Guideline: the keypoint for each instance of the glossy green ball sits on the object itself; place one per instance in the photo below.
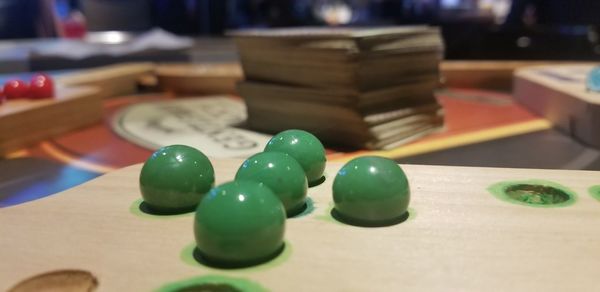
(175, 178)
(371, 191)
(305, 148)
(282, 174)
(239, 222)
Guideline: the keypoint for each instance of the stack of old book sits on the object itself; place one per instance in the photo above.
(356, 87)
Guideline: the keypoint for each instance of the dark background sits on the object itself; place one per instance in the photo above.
(472, 29)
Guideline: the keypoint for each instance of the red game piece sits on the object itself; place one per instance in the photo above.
(14, 89)
(41, 86)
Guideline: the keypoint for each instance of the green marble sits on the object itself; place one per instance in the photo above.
(371, 191)
(239, 223)
(175, 178)
(305, 148)
(282, 174)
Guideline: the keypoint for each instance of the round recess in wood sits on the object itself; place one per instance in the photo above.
(60, 280)
(533, 193)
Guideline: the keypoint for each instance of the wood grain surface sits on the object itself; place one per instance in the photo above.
(559, 94)
(497, 75)
(24, 121)
(204, 78)
(459, 237)
(112, 80)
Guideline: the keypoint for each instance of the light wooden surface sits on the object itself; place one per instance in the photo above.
(199, 78)
(496, 75)
(559, 93)
(188, 78)
(24, 121)
(459, 238)
(114, 80)
(78, 103)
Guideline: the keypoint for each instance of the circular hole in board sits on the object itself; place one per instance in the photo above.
(317, 182)
(145, 208)
(364, 223)
(536, 194)
(212, 283)
(190, 256)
(208, 287)
(307, 208)
(140, 209)
(61, 280)
(215, 263)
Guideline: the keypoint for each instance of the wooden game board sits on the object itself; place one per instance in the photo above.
(559, 93)
(77, 103)
(24, 121)
(459, 237)
(496, 75)
(188, 79)
(112, 80)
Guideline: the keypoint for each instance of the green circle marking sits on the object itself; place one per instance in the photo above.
(309, 207)
(187, 256)
(534, 193)
(595, 192)
(327, 217)
(136, 209)
(215, 283)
